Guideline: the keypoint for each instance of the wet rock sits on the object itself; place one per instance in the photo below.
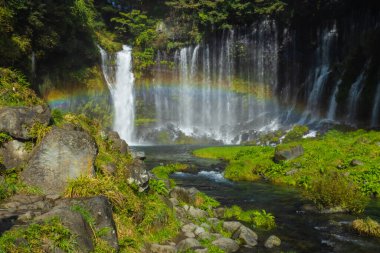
(272, 241)
(17, 121)
(62, 155)
(231, 226)
(189, 243)
(199, 230)
(184, 194)
(138, 175)
(116, 143)
(13, 153)
(226, 244)
(288, 153)
(246, 236)
(140, 155)
(156, 248)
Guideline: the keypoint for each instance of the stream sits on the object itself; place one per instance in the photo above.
(299, 231)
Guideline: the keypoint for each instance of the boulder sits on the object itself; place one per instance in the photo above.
(246, 236)
(186, 244)
(117, 144)
(138, 175)
(272, 241)
(13, 154)
(197, 213)
(157, 248)
(101, 211)
(231, 226)
(17, 121)
(188, 228)
(226, 244)
(62, 155)
(140, 155)
(287, 153)
(75, 222)
(187, 195)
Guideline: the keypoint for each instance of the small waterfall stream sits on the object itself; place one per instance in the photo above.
(120, 83)
(376, 108)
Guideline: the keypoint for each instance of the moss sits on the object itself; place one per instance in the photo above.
(367, 226)
(296, 133)
(37, 237)
(163, 172)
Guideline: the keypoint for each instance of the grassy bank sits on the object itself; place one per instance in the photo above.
(351, 158)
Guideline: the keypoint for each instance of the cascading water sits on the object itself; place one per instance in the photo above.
(376, 108)
(333, 104)
(319, 76)
(224, 88)
(353, 97)
(120, 83)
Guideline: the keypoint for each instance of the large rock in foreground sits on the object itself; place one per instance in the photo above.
(17, 121)
(63, 154)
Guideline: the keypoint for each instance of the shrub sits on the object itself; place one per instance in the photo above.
(158, 186)
(335, 190)
(260, 219)
(163, 172)
(367, 226)
(38, 131)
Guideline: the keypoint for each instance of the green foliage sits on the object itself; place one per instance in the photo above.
(333, 151)
(14, 89)
(163, 172)
(4, 137)
(260, 219)
(38, 131)
(158, 186)
(57, 116)
(367, 226)
(296, 133)
(34, 237)
(335, 190)
(205, 202)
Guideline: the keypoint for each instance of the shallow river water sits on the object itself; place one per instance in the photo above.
(299, 231)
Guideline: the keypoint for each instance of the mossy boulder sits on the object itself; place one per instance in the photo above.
(63, 154)
(17, 121)
(14, 153)
(287, 152)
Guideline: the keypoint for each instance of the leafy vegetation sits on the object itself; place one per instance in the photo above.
(333, 152)
(50, 234)
(259, 219)
(163, 172)
(14, 89)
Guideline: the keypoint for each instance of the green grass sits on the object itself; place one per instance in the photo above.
(367, 226)
(332, 152)
(256, 218)
(163, 172)
(35, 236)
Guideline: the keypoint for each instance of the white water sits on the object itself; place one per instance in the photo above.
(321, 73)
(120, 84)
(376, 108)
(333, 104)
(353, 97)
(201, 103)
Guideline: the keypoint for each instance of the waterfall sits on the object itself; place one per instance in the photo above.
(320, 73)
(353, 97)
(219, 89)
(333, 104)
(120, 84)
(376, 108)
(33, 64)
